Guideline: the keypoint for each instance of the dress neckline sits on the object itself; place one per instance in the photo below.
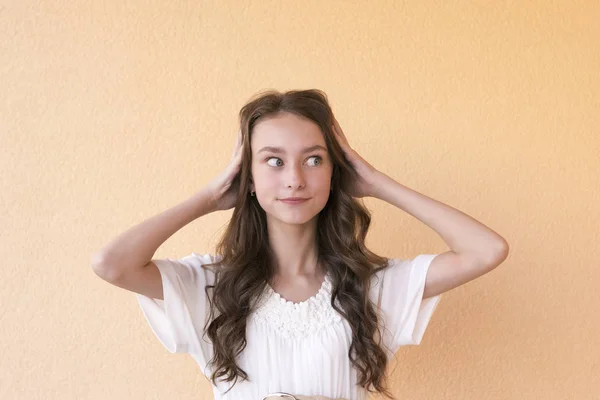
(324, 286)
(297, 321)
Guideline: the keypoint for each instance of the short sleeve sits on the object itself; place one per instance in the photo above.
(399, 289)
(178, 320)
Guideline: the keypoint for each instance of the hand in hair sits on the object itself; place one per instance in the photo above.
(224, 188)
(366, 172)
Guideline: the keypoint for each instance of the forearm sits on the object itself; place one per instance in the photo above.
(136, 246)
(462, 233)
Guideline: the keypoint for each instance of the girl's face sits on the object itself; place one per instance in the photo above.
(290, 159)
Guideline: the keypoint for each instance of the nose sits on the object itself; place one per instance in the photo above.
(295, 177)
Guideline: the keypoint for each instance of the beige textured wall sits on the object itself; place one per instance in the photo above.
(112, 112)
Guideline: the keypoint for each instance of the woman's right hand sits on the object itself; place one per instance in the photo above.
(222, 188)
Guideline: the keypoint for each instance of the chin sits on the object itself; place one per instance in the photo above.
(294, 218)
(298, 221)
(297, 217)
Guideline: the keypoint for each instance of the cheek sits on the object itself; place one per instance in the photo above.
(265, 181)
(324, 178)
(268, 186)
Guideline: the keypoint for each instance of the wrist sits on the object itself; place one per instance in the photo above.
(204, 202)
(378, 183)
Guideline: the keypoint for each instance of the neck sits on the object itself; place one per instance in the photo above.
(294, 249)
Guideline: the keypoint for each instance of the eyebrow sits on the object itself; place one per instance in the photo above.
(280, 150)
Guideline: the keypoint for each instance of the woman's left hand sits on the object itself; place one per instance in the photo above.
(366, 172)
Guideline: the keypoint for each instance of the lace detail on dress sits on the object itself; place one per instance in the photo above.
(297, 320)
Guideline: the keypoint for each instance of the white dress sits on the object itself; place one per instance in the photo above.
(299, 348)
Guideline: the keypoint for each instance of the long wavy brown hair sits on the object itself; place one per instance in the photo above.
(244, 269)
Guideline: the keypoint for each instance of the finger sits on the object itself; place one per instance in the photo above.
(338, 128)
(238, 143)
(341, 139)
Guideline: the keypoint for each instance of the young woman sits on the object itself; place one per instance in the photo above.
(292, 301)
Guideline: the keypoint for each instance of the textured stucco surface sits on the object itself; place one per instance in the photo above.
(111, 112)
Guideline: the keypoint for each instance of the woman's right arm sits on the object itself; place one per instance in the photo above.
(127, 260)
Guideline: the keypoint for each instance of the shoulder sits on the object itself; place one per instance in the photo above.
(403, 266)
(194, 268)
(202, 260)
(400, 271)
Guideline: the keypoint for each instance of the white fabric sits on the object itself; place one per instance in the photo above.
(298, 348)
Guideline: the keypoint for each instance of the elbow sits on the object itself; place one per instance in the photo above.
(103, 270)
(504, 249)
(499, 254)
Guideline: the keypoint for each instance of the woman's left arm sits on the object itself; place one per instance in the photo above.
(475, 248)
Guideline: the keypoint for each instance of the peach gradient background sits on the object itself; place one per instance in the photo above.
(112, 112)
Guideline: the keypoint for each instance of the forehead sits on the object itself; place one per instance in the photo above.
(288, 131)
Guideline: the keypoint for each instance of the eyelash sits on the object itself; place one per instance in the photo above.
(319, 157)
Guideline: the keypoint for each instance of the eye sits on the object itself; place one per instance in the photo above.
(320, 160)
(273, 158)
(278, 161)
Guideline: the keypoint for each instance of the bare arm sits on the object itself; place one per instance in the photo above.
(475, 248)
(127, 260)
(135, 248)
